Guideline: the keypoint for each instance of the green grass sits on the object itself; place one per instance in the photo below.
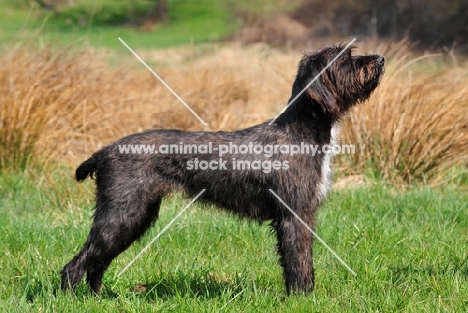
(408, 249)
(189, 21)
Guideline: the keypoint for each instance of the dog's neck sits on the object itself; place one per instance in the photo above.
(306, 116)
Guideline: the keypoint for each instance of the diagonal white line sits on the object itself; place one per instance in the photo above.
(313, 233)
(160, 233)
(313, 80)
(162, 81)
(232, 299)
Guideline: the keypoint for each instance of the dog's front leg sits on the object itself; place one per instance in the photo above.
(295, 249)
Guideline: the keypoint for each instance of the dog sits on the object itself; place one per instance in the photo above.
(131, 186)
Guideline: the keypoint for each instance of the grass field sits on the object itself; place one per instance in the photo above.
(408, 250)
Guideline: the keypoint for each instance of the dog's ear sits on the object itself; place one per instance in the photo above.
(321, 93)
(322, 90)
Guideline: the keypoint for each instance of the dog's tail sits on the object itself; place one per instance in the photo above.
(87, 168)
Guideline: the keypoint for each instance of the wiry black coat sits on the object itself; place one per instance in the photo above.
(130, 187)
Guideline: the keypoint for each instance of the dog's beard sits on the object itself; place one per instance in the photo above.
(370, 81)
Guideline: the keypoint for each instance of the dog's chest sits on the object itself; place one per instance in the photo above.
(325, 182)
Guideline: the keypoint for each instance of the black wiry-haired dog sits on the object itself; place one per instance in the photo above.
(131, 186)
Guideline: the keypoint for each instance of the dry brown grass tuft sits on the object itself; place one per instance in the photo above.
(33, 94)
(65, 104)
(48, 101)
(415, 126)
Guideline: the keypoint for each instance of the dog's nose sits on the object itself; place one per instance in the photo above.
(380, 59)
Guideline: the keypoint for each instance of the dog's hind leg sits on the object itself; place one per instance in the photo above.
(115, 227)
(295, 249)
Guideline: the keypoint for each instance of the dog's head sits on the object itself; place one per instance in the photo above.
(340, 80)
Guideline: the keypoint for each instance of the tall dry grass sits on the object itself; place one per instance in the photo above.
(64, 104)
(47, 102)
(415, 126)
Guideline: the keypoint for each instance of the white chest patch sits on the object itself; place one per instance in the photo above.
(326, 177)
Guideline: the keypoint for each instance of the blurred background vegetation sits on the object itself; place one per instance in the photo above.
(430, 23)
